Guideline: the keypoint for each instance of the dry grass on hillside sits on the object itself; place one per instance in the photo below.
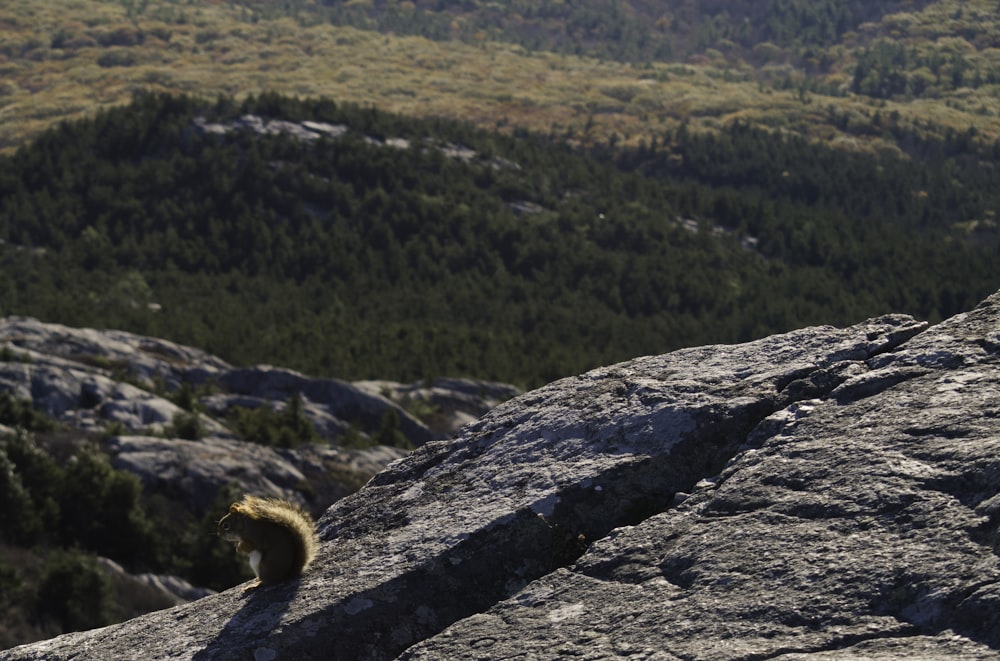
(62, 59)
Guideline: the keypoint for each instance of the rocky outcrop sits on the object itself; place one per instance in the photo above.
(93, 381)
(826, 493)
(122, 387)
(89, 379)
(336, 400)
(192, 472)
(174, 589)
(451, 403)
(308, 131)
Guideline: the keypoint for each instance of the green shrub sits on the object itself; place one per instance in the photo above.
(355, 439)
(30, 479)
(16, 412)
(75, 593)
(186, 397)
(117, 57)
(390, 434)
(6, 355)
(15, 625)
(19, 523)
(263, 425)
(101, 509)
(187, 426)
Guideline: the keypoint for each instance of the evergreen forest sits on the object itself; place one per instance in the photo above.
(616, 29)
(408, 249)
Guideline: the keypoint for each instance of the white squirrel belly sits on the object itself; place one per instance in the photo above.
(255, 557)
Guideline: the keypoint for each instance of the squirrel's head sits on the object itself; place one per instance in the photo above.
(230, 525)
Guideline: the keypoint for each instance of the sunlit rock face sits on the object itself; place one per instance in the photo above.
(824, 493)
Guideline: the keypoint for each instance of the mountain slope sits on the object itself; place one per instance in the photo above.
(935, 68)
(630, 30)
(342, 241)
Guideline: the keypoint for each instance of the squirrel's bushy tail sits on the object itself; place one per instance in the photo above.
(287, 515)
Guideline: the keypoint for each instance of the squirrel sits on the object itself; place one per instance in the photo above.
(279, 537)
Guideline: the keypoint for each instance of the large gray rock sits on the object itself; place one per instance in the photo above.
(87, 398)
(452, 403)
(118, 386)
(193, 472)
(826, 493)
(92, 380)
(172, 589)
(107, 351)
(862, 521)
(335, 398)
(86, 378)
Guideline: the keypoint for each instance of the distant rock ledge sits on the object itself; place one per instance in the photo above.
(824, 493)
(121, 386)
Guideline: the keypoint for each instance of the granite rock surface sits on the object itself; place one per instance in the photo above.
(824, 493)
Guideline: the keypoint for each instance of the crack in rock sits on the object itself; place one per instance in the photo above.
(862, 520)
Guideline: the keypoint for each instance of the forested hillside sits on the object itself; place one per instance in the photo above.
(405, 249)
(880, 48)
(591, 71)
(636, 30)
